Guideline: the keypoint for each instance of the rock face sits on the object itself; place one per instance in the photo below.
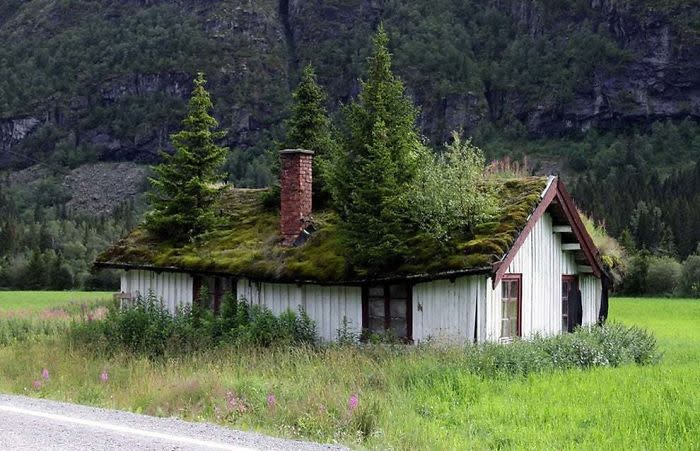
(97, 189)
(125, 105)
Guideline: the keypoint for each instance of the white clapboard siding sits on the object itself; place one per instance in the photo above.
(445, 310)
(173, 289)
(591, 290)
(541, 262)
(326, 305)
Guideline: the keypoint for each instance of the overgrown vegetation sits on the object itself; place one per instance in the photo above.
(450, 195)
(147, 327)
(535, 393)
(395, 208)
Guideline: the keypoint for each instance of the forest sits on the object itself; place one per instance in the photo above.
(108, 81)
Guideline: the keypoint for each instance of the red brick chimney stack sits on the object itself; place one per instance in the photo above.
(295, 183)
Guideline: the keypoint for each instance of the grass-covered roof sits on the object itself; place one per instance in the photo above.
(246, 243)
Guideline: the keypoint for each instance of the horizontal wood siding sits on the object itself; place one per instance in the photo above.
(445, 310)
(174, 289)
(326, 305)
(591, 289)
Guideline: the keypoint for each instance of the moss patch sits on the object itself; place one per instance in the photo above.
(246, 242)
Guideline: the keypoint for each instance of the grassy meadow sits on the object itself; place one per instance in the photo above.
(415, 398)
(12, 301)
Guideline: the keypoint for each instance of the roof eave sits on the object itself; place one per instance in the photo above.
(416, 278)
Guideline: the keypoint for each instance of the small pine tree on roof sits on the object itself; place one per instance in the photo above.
(378, 161)
(184, 186)
(310, 128)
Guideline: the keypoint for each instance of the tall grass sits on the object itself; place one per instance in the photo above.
(407, 397)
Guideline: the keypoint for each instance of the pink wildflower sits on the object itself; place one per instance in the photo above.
(45, 374)
(353, 402)
(235, 404)
(36, 385)
(104, 376)
(271, 401)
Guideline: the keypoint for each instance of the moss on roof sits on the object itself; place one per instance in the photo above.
(246, 243)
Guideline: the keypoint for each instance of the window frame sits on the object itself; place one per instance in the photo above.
(573, 279)
(387, 308)
(515, 277)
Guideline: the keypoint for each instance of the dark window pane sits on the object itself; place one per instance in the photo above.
(398, 309)
(398, 327)
(376, 325)
(398, 292)
(376, 308)
(377, 292)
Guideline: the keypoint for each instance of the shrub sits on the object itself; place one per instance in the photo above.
(690, 278)
(448, 194)
(608, 345)
(146, 327)
(663, 275)
(635, 281)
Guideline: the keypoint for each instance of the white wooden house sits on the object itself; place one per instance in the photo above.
(533, 271)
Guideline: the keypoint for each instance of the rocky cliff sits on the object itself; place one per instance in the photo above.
(94, 80)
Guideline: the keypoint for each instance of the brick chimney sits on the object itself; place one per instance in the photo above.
(295, 183)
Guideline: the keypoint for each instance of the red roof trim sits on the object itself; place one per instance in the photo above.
(579, 229)
(502, 266)
(556, 190)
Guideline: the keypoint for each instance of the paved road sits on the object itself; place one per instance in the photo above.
(32, 424)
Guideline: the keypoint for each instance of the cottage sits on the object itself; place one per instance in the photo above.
(534, 270)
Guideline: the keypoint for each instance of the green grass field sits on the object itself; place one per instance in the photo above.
(416, 400)
(38, 300)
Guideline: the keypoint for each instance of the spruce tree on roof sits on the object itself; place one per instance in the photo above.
(376, 164)
(309, 127)
(183, 188)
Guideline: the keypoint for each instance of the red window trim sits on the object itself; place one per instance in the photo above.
(574, 285)
(518, 278)
(387, 307)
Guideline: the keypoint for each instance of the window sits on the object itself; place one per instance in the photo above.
(510, 306)
(568, 285)
(216, 288)
(387, 308)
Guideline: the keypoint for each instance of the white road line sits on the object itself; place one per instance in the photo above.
(124, 429)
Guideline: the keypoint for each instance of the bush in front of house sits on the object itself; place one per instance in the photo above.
(611, 345)
(146, 327)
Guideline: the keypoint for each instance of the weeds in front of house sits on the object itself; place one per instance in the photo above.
(146, 327)
(383, 395)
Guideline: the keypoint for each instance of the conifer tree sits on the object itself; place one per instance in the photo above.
(183, 188)
(378, 160)
(309, 127)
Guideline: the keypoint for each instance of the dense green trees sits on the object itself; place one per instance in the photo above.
(184, 186)
(377, 162)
